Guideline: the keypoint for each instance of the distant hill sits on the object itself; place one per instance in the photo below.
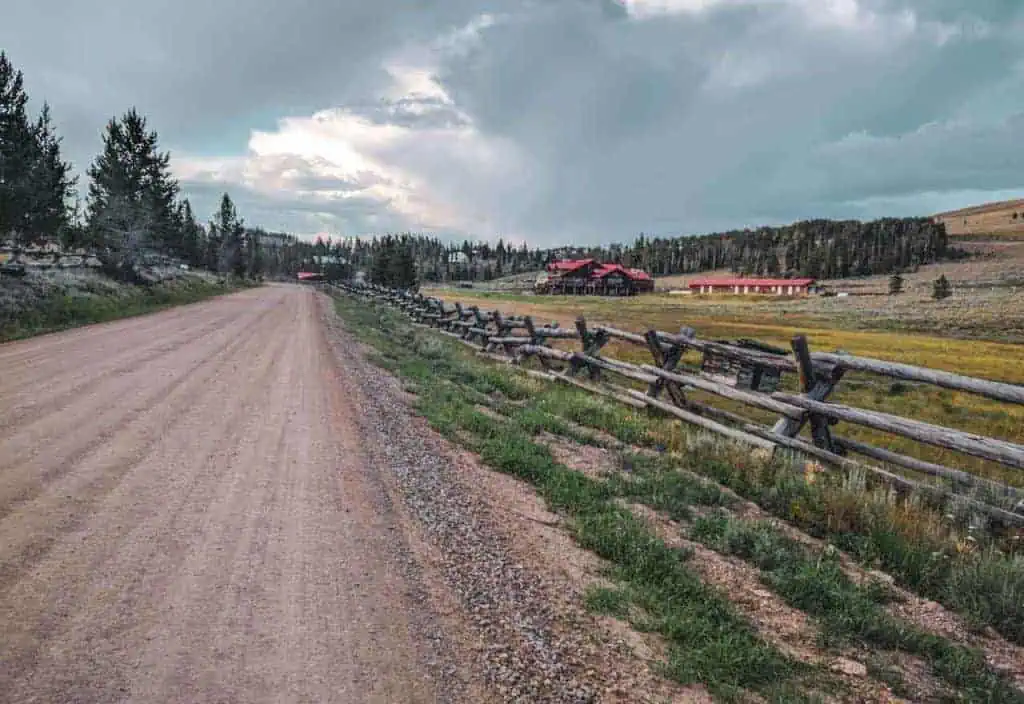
(1002, 217)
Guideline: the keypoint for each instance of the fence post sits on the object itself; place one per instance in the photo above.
(667, 361)
(481, 324)
(537, 341)
(576, 364)
(500, 330)
(817, 388)
(590, 344)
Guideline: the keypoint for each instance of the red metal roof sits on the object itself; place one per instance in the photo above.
(568, 264)
(600, 271)
(695, 283)
(605, 269)
(634, 274)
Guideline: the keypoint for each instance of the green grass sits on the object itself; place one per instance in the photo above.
(920, 543)
(649, 481)
(708, 641)
(62, 312)
(928, 548)
(913, 540)
(848, 613)
(922, 546)
(761, 319)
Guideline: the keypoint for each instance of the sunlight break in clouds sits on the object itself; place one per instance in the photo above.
(341, 154)
(337, 154)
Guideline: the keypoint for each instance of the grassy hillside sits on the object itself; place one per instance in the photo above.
(43, 302)
(998, 218)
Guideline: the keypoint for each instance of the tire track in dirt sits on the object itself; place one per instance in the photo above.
(133, 378)
(19, 487)
(46, 355)
(223, 543)
(29, 511)
(133, 539)
(33, 400)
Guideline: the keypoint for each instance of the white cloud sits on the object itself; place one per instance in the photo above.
(565, 122)
(846, 15)
(337, 154)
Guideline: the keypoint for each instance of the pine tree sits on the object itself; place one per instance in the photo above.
(380, 271)
(131, 190)
(254, 261)
(193, 244)
(211, 255)
(232, 244)
(402, 264)
(17, 153)
(51, 183)
(941, 288)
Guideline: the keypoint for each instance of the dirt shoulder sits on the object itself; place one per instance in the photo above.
(498, 562)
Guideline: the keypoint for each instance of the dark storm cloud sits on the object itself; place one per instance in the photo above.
(572, 119)
(201, 68)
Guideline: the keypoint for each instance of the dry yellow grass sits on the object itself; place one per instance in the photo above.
(746, 317)
(989, 218)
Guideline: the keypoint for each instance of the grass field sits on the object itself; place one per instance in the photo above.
(697, 493)
(987, 302)
(735, 317)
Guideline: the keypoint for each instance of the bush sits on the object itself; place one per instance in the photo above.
(941, 288)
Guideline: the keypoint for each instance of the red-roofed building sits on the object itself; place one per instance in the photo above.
(741, 286)
(564, 266)
(587, 276)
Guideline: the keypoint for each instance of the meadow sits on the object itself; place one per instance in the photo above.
(777, 322)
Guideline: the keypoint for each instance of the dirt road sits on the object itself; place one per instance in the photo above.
(187, 514)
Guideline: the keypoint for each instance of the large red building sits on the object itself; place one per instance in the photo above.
(740, 286)
(590, 277)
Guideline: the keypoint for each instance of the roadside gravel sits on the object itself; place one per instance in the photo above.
(529, 642)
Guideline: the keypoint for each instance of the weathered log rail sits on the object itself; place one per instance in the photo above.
(748, 373)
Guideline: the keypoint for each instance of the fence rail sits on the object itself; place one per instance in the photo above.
(747, 372)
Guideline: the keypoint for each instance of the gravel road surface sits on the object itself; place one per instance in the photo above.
(187, 514)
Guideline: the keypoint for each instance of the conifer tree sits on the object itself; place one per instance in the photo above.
(254, 261)
(232, 239)
(19, 157)
(131, 190)
(193, 245)
(51, 183)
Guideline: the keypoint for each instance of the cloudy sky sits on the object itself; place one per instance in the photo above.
(549, 121)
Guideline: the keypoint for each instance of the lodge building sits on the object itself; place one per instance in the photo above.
(590, 277)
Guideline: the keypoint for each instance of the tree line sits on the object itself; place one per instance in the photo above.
(823, 249)
(133, 211)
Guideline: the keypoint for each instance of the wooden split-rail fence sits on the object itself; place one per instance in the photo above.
(750, 373)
